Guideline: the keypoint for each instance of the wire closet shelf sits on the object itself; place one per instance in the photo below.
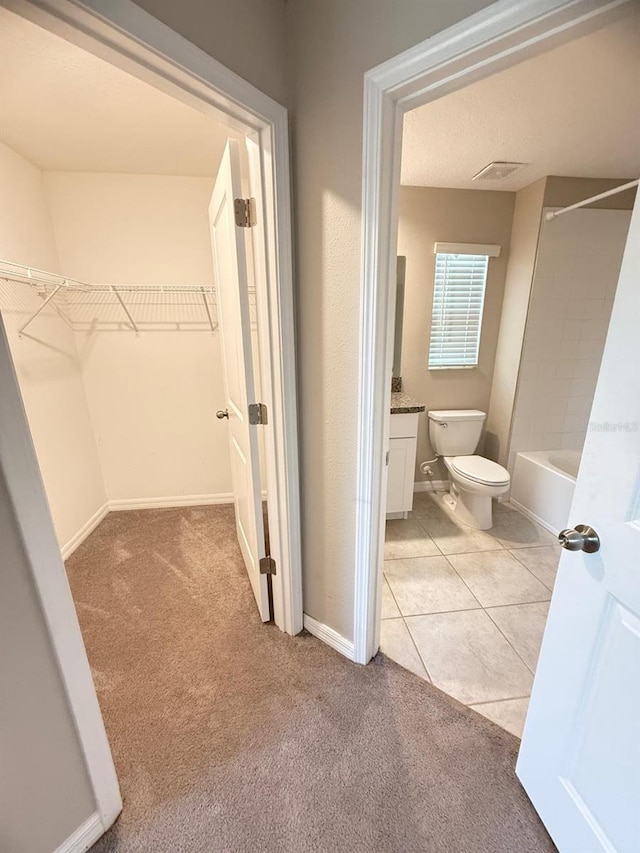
(118, 307)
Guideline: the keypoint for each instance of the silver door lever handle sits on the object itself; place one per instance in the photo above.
(580, 538)
(222, 413)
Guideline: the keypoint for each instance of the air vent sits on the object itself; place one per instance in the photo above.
(498, 170)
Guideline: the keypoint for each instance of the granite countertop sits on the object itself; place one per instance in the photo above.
(402, 404)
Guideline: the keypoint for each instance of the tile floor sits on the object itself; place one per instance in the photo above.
(466, 609)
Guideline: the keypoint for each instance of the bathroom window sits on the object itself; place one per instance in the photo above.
(458, 302)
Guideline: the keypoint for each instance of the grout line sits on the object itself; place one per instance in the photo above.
(527, 569)
(414, 557)
(385, 580)
(426, 668)
(517, 604)
(497, 701)
(550, 588)
(408, 631)
(532, 671)
(471, 609)
(464, 582)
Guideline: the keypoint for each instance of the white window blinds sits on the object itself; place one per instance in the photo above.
(458, 301)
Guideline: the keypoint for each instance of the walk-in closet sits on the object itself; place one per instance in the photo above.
(109, 298)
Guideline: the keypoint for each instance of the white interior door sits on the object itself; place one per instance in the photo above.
(580, 755)
(232, 285)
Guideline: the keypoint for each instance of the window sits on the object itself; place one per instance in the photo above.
(458, 302)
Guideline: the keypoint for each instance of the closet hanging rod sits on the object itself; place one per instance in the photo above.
(551, 214)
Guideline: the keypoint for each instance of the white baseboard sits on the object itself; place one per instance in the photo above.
(78, 538)
(140, 503)
(84, 837)
(431, 486)
(534, 517)
(329, 636)
(175, 500)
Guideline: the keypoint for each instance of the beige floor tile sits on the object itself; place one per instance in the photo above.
(389, 606)
(523, 625)
(427, 585)
(406, 537)
(396, 643)
(468, 658)
(514, 530)
(453, 537)
(428, 505)
(541, 561)
(509, 714)
(496, 577)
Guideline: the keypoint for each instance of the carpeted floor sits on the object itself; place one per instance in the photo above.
(230, 736)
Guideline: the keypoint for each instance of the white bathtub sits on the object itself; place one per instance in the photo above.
(542, 485)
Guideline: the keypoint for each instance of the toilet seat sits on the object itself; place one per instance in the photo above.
(480, 470)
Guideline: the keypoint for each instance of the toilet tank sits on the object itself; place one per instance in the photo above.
(455, 432)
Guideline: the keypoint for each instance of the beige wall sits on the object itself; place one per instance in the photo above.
(427, 215)
(46, 358)
(248, 36)
(45, 793)
(333, 43)
(515, 305)
(152, 398)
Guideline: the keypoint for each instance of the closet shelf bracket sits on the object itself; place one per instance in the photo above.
(126, 311)
(208, 310)
(40, 308)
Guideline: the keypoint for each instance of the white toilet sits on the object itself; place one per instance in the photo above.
(454, 436)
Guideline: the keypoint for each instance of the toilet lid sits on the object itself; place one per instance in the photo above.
(481, 470)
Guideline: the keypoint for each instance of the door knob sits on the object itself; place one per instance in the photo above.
(580, 538)
(222, 413)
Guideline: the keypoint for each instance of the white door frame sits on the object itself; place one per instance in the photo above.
(496, 38)
(128, 37)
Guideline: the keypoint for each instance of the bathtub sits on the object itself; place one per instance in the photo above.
(542, 485)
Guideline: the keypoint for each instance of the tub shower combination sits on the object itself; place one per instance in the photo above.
(543, 484)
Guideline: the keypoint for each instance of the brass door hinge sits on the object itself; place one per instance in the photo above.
(257, 413)
(267, 566)
(245, 211)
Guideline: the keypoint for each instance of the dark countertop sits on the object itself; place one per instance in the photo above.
(402, 404)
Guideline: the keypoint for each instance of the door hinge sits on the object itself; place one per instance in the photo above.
(267, 566)
(257, 413)
(245, 211)
(386, 458)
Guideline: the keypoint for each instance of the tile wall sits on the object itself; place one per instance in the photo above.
(576, 274)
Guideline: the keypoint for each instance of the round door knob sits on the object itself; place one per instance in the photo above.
(580, 538)
(222, 413)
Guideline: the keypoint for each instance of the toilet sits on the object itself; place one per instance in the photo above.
(454, 436)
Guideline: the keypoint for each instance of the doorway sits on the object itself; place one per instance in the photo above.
(494, 39)
(489, 39)
(468, 575)
(262, 123)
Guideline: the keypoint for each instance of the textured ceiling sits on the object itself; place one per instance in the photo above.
(572, 111)
(65, 109)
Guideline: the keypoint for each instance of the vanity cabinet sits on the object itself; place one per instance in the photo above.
(403, 441)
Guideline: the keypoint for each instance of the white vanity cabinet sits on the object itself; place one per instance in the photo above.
(403, 440)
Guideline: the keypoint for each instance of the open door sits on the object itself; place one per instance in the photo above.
(580, 755)
(232, 286)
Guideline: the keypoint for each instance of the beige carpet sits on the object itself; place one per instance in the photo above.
(230, 736)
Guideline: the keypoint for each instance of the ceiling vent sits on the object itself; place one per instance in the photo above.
(498, 170)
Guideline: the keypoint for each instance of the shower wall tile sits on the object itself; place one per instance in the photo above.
(576, 275)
